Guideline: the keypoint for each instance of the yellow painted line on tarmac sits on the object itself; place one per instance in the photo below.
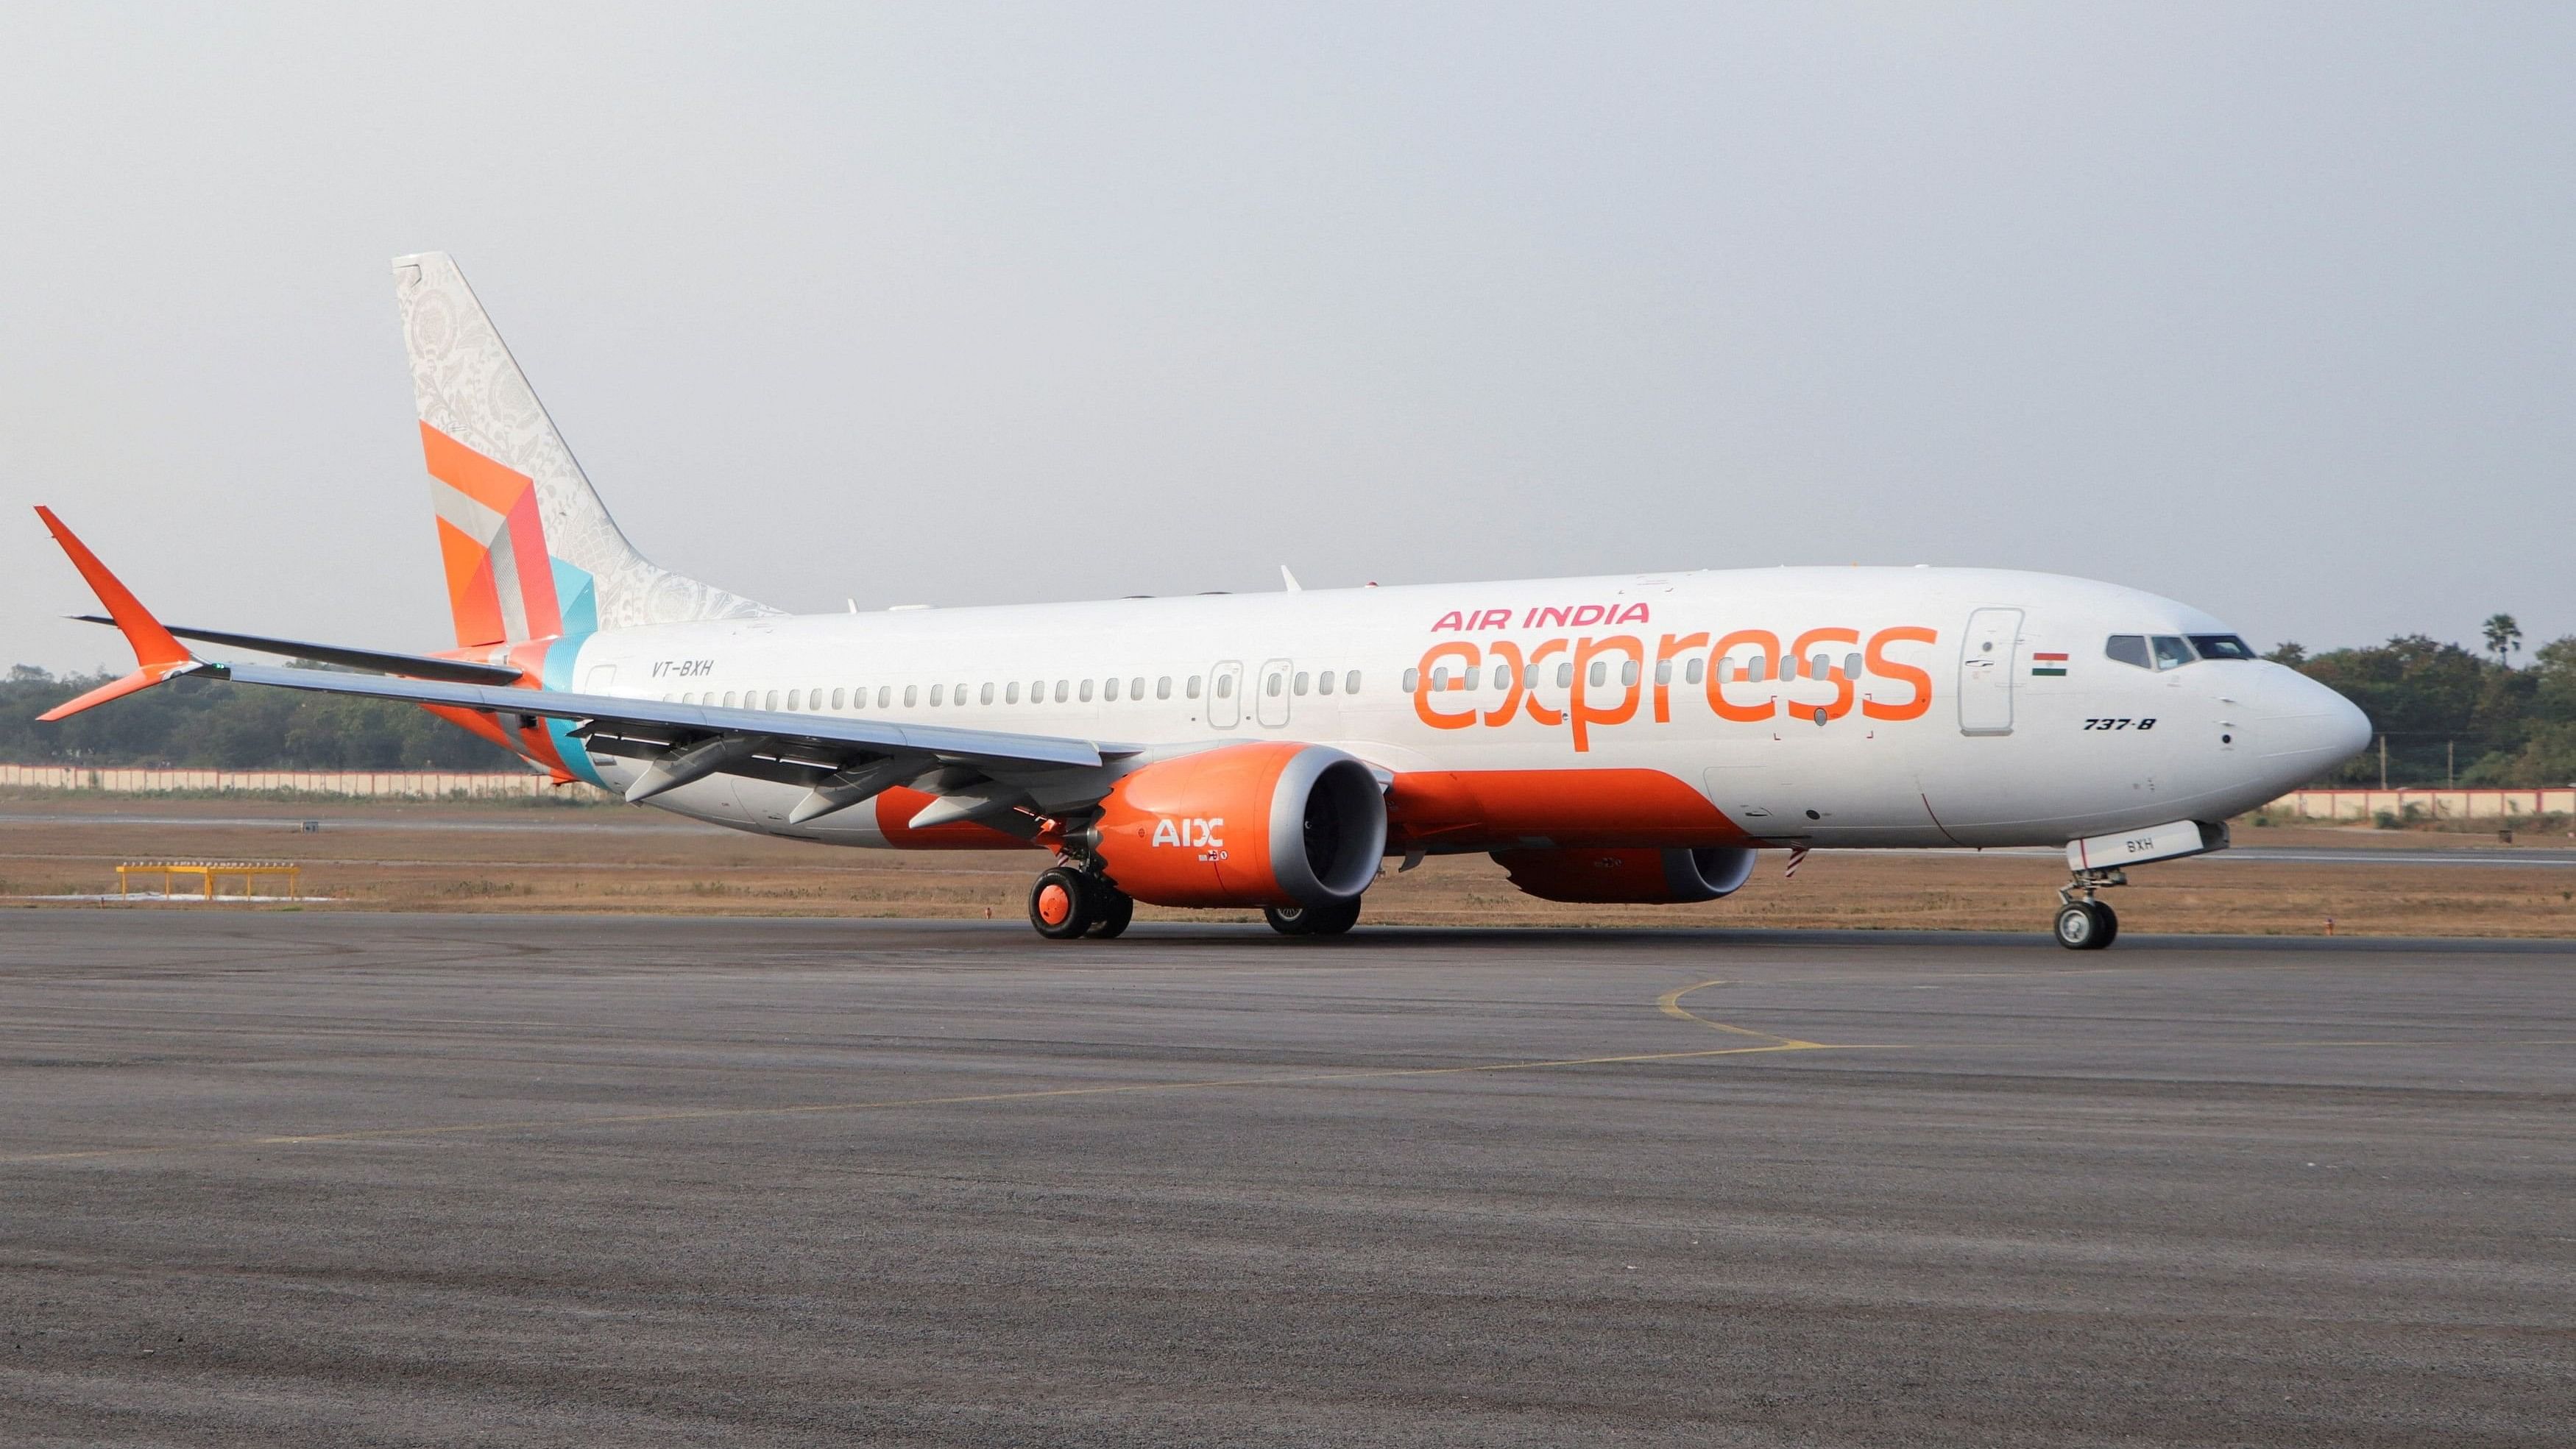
(711, 1114)
(1670, 1004)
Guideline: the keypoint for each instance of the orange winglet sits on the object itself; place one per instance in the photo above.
(155, 649)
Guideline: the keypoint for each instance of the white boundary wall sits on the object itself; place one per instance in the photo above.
(414, 784)
(2433, 804)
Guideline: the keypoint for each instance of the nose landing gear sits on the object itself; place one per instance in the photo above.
(2088, 923)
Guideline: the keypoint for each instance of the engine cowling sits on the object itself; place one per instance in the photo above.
(1255, 824)
(1632, 877)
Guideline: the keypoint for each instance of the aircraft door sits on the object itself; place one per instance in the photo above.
(1272, 705)
(1989, 652)
(1225, 694)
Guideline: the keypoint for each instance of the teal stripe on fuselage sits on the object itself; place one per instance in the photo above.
(563, 657)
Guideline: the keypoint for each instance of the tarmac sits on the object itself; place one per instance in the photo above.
(315, 1178)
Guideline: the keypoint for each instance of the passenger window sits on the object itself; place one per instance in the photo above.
(837, 697)
(792, 697)
(1502, 676)
(773, 699)
(1063, 690)
(1628, 672)
(1691, 671)
(1663, 671)
(1758, 668)
(1192, 690)
(1270, 686)
(984, 695)
(1136, 687)
(934, 696)
(1600, 672)
(1324, 682)
(1299, 684)
(1163, 687)
(2221, 646)
(2171, 652)
(1412, 680)
(1851, 666)
(1086, 691)
(911, 695)
(1225, 686)
(1110, 694)
(728, 699)
(1011, 692)
(1820, 667)
(1351, 682)
(885, 696)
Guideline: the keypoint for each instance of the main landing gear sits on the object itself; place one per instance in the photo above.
(2088, 924)
(1313, 920)
(1067, 903)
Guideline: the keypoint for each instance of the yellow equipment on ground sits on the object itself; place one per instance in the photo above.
(206, 872)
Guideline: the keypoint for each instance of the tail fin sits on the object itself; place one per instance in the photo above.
(530, 551)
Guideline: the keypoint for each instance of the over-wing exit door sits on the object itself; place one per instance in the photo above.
(1225, 698)
(1986, 655)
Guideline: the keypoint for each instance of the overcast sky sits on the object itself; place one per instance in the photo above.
(2265, 307)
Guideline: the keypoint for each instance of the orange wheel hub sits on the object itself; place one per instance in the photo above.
(1055, 904)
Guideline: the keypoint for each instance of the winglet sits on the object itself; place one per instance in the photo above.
(159, 653)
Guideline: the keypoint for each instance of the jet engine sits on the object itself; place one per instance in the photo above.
(1635, 877)
(1267, 824)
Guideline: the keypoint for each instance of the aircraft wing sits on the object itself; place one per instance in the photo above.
(417, 666)
(645, 718)
(979, 774)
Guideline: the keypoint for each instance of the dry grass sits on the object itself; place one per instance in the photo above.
(433, 858)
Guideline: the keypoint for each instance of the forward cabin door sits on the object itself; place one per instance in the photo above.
(1272, 705)
(1225, 694)
(1987, 659)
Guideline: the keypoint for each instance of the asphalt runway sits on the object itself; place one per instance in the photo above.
(347, 1179)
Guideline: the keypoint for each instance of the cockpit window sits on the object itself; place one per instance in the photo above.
(2171, 652)
(2129, 649)
(2221, 646)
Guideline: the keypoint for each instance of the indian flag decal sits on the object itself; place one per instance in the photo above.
(2048, 664)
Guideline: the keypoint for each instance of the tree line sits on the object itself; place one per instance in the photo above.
(2448, 714)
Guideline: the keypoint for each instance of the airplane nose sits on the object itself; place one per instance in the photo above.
(2309, 726)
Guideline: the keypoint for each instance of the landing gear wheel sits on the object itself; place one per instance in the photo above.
(1111, 910)
(2086, 925)
(1060, 904)
(1313, 920)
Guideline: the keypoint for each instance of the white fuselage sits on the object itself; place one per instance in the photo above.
(1943, 721)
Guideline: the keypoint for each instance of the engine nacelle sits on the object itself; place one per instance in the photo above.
(1244, 825)
(1633, 877)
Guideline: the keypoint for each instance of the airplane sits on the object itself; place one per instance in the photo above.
(1622, 738)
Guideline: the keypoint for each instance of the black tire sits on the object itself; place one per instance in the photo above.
(1288, 920)
(1060, 904)
(1313, 920)
(2080, 927)
(1111, 910)
(2110, 924)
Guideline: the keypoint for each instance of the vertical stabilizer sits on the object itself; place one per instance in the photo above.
(530, 551)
